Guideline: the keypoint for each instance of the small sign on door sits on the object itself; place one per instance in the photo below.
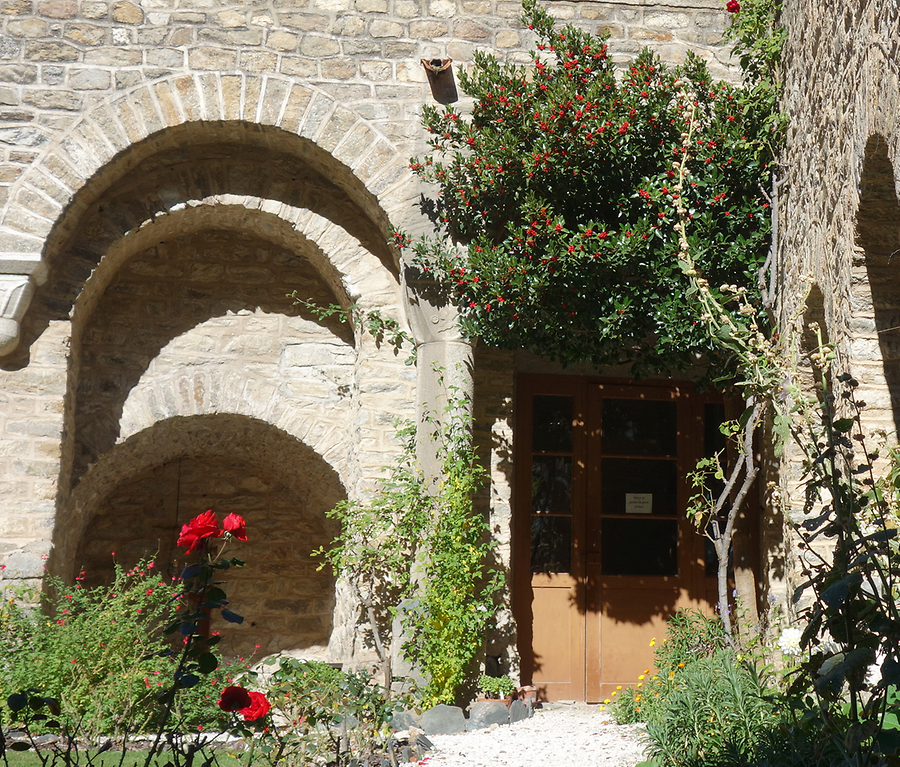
(638, 503)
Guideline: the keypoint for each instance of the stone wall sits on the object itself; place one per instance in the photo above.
(169, 170)
(839, 212)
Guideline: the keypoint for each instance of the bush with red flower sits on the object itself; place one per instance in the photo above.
(559, 191)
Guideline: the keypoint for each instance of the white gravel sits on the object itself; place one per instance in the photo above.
(558, 735)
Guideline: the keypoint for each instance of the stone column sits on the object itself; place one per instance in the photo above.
(443, 361)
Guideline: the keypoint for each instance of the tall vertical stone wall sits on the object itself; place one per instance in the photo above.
(168, 172)
(838, 205)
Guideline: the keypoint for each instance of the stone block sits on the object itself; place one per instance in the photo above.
(298, 67)
(23, 564)
(508, 38)
(23, 136)
(469, 30)
(519, 710)
(400, 49)
(332, 5)
(380, 28)
(258, 61)
(166, 57)
(26, 28)
(443, 720)
(89, 79)
(86, 34)
(209, 58)
(313, 45)
(282, 41)
(95, 10)
(57, 9)
(18, 73)
(339, 69)
(232, 36)
(484, 713)
(428, 30)
(127, 13)
(349, 26)
(16, 7)
(109, 56)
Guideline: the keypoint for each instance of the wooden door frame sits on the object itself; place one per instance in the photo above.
(579, 388)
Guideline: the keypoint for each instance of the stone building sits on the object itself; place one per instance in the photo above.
(175, 172)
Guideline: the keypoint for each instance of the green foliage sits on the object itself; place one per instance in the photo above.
(690, 636)
(846, 708)
(560, 189)
(382, 329)
(496, 686)
(717, 712)
(706, 704)
(315, 697)
(97, 650)
(421, 550)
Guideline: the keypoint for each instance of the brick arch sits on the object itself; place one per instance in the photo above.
(340, 261)
(366, 175)
(200, 392)
(297, 464)
(137, 497)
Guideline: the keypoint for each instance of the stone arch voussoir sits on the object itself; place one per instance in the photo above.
(99, 148)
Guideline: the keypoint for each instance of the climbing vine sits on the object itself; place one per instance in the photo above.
(421, 551)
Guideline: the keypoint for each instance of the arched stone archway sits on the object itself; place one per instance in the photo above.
(136, 498)
(177, 120)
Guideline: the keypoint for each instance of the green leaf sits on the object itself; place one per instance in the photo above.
(207, 663)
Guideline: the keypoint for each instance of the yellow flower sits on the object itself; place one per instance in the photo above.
(619, 687)
(615, 692)
(681, 665)
(671, 675)
(606, 701)
(653, 642)
(640, 684)
(602, 708)
(640, 677)
(646, 670)
(637, 708)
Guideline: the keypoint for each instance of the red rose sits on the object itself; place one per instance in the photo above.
(732, 6)
(234, 699)
(196, 531)
(235, 525)
(258, 708)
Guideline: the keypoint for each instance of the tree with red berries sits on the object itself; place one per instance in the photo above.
(558, 193)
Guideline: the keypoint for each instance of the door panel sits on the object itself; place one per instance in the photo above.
(607, 551)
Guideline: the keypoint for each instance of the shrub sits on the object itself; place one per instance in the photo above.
(716, 711)
(96, 650)
(496, 686)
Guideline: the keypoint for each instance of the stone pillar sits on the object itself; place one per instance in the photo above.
(443, 361)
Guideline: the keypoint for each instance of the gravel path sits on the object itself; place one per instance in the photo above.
(556, 736)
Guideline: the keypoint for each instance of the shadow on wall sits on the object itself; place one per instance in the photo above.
(878, 234)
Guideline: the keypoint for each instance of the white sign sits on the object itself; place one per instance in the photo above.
(638, 503)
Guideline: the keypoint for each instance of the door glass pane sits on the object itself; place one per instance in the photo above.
(551, 544)
(639, 427)
(551, 484)
(639, 547)
(639, 486)
(552, 431)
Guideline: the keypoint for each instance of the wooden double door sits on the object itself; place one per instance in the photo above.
(604, 552)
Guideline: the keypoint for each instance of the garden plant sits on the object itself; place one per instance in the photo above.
(152, 670)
